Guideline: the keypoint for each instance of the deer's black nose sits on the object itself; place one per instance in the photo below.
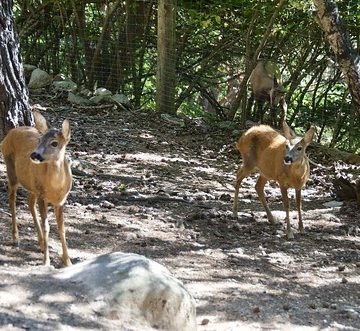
(36, 157)
(288, 159)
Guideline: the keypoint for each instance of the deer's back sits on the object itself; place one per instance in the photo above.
(263, 148)
(19, 143)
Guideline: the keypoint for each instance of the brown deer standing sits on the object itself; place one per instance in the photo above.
(266, 84)
(35, 159)
(276, 157)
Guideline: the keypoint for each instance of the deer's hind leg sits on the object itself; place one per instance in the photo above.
(285, 199)
(259, 187)
(244, 171)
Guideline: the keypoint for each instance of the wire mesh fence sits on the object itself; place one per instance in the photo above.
(216, 45)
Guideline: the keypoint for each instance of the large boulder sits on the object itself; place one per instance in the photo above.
(28, 69)
(135, 290)
(39, 78)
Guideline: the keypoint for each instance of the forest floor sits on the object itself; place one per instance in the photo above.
(146, 185)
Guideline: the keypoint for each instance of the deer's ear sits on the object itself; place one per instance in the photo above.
(66, 129)
(40, 122)
(308, 136)
(288, 132)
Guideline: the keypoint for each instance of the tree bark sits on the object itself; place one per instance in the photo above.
(328, 18)
(14, 100)
(165, 86)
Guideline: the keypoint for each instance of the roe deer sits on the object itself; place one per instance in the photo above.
(276, 157)
(35, 159)
(266, 84)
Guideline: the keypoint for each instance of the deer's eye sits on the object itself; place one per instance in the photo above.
(299, 148)
(54, 144)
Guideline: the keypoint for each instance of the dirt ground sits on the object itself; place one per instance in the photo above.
(145, 185)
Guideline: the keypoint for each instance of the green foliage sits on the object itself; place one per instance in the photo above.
(113, 44)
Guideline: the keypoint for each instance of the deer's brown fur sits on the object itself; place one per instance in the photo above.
(35, 159)
(276, 157)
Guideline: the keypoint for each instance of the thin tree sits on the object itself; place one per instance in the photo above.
(14, 101)
(329, 19)
(165, 78)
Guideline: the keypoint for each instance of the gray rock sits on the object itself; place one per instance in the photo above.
(333, 204)
(134, 289)
(85, 92)
(28, 69)
(39, 78)
(102, 91)
(97, 99)
(79, 100)
(64, 85)
(120, 99)
(173, 120)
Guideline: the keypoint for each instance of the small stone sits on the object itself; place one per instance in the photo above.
(350, 313)
(256, 310)
(326, 305)
(78, 100)
(344, 280)
(286, 307)
(225, 197)
(312, 305)
(131, 236)
(120, 99)
(102, 91)
(205, 321)
(341, 268)
(107, 204)
(64, 85)
(333, 204)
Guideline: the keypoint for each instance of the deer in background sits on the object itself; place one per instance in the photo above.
(266, 84)
(35, 159)
(277, 157)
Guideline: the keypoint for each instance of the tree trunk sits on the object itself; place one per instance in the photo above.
(330, 22)
(14, 101)
(165, 89)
